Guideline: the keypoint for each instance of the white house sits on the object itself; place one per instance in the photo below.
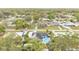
(76, 23)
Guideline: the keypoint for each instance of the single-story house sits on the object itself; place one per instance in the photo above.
(68, 24)
(76, 23)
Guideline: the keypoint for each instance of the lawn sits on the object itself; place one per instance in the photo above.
(75, 27)
(52, 28)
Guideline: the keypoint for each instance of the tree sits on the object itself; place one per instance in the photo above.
(9, 43)
(64, 43)
(28, 18)
(77, 16)
(1, 15)
(26, 37)
(34, 45)
(51, 15)
(35, 16)
(2, 28)
(21, 24)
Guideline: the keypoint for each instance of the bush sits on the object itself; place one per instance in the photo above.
(64, 43)
(10, 43)
(21, 24)
(2, 28)
(34, 45)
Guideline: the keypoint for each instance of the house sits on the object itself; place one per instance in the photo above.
(9, 22)
(68, 24)
(21, 33)
(45, 19)
(62, 33)
(51, 23)
(20, 16)
(76, 23)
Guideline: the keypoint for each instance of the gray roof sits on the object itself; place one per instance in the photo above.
(40, 34)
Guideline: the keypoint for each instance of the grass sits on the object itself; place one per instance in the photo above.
(53, 27)
(75, 28)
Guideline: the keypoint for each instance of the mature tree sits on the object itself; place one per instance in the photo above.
(21, 24)
(1, 14)
(10, 43)
(28, 18)
(2, 28)
(34, 45)
(26, 37)
(77, 16)
(51, 15)
(35, 16)
(64, 43)
(5, 43)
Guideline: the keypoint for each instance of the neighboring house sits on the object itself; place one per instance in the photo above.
(9, 22)
(68, 24)
(20, 16)
(62, 33)
(45, 19)
(53, 23)
(65, 16)
(76, 23)
(21, 33)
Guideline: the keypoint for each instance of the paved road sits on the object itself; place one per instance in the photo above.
(13, 30)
